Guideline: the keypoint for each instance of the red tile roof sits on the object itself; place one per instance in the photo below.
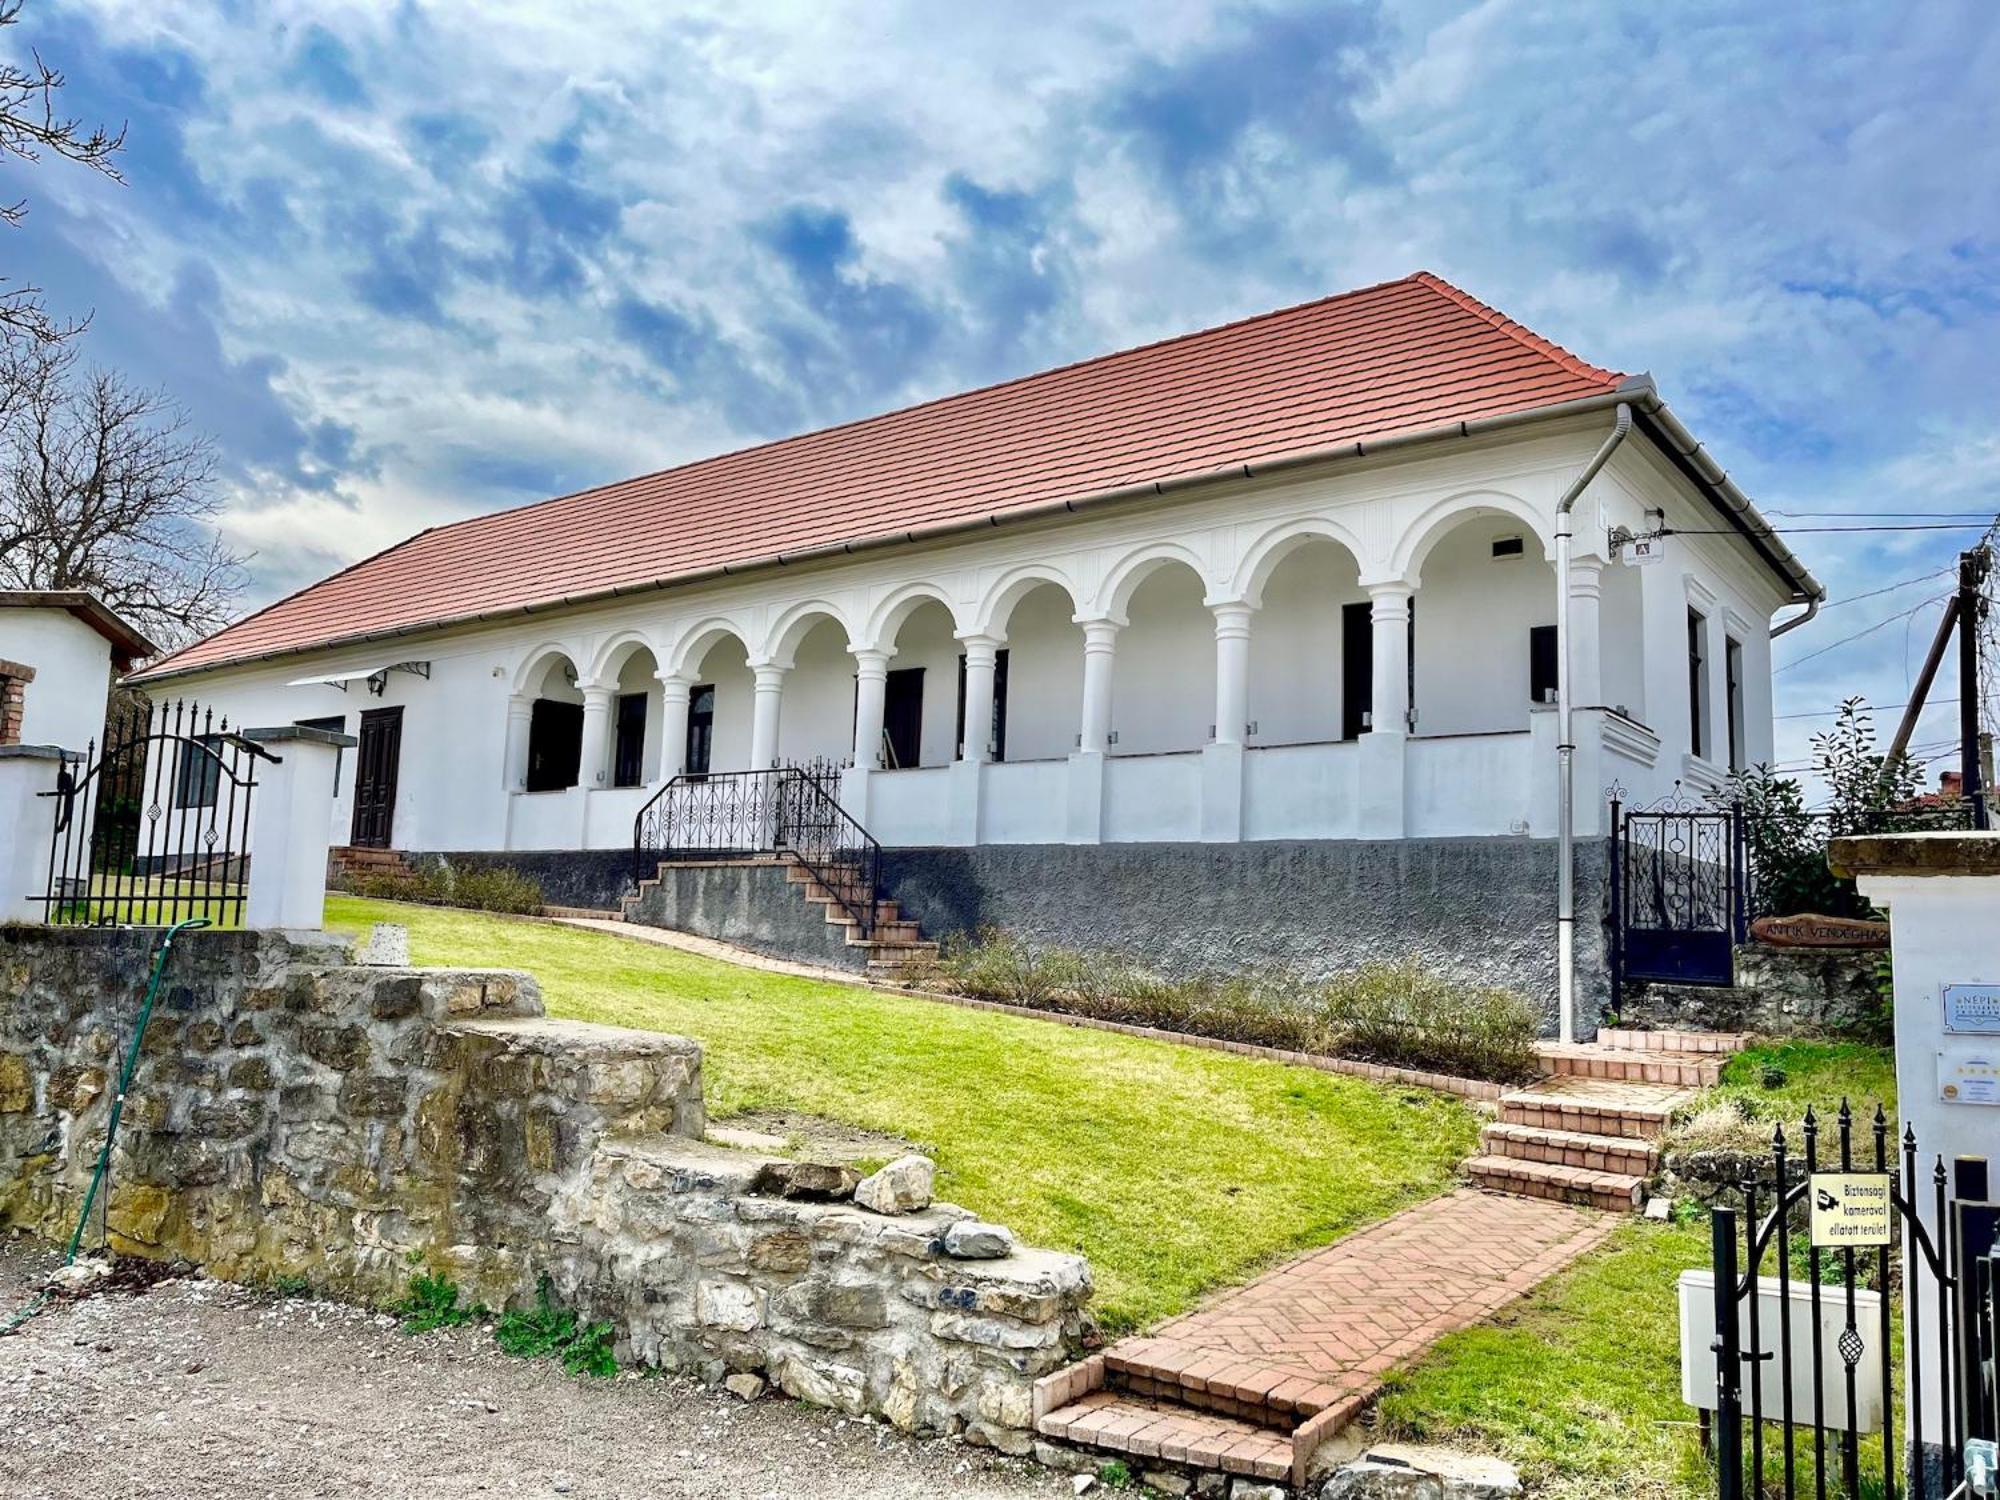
(1395, 358)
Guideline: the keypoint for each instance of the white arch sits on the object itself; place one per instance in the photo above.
(1114, 597)
(1440, 519)
(611, 657)
(781, 642)
(528, 675)
(887, 619)
(697, 641)
(1264, 554)
(1011, 587)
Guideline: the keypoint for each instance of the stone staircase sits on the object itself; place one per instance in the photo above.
(895, 949)
(1589, 1133)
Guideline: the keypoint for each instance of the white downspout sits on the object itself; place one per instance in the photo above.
(1565, 741)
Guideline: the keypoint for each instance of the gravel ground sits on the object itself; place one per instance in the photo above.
(194, 1388)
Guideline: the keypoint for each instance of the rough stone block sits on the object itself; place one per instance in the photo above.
(902, 1187)
(973, 1240)
(814, 1181)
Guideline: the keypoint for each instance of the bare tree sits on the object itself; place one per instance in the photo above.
(29, 127)
(104, 487)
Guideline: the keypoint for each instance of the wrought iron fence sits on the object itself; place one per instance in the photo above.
(790, 810)
(154, 824)
(1768, 1439)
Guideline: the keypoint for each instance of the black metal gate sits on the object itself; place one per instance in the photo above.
(1677, 893)
(1770, 1442)
(154, 826)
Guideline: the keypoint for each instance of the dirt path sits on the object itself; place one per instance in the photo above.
(199, 1389)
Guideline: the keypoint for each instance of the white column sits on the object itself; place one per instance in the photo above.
(768, 699)
(291, 826)
(1589, 810)
(871, 694)
(1381, 814)
(520, 717)
(595, 759)
(1100, 642)
(1232, 672)
(1586, 634)
(674, 694)
(982, 654)
(27, 821)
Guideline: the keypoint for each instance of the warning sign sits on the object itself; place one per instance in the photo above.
(1850, 1209)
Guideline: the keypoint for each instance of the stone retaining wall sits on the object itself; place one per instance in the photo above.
(294, 1115)
(1778, 992)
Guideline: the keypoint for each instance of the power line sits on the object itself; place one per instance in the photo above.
(1803, 530)
(1847, 639)
(1889, 589)
(1982, 517)
(1884, 708)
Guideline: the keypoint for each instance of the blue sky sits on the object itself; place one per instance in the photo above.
(407, 262)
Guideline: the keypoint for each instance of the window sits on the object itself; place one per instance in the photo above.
(1732, 666)
(1509, 546)
(555, 745)
(1698, 682)
(1542, 664)
(701, 730)
(198, 777)
(332, 724)
(629, 757)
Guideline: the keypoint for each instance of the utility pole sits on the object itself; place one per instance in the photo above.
(1972, 569)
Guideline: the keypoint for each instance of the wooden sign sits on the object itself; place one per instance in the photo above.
(1809, 931)
(1850, 1209)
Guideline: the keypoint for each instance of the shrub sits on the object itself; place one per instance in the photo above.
(432, 1302)
(1399, 1014)
(546, 1329)
(438, 882)
(1405, 1015)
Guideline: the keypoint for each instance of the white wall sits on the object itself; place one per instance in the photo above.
(1474, 612)
(64, 705)
(1374, 522)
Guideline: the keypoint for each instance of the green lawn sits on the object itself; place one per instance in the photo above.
(1174, 1169)
(1579, 1383)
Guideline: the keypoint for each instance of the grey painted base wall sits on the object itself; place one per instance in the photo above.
(751, 905)
(1482, 909)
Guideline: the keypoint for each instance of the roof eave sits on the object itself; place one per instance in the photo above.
(1638, 391)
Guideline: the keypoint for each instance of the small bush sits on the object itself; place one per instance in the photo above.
(432, 1302)
(439, 882)
(546, 1329)
(1397, 1014)
(1404, 1015)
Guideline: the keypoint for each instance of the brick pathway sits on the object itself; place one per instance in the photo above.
(1345, 1316)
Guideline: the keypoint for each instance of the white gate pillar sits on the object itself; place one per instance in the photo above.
(27, 822)
(1383, 749)
(290, 825)
(766, 703)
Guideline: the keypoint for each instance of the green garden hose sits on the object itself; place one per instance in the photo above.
(117, 1110)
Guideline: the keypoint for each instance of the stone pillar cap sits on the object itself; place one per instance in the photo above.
(1955, 853)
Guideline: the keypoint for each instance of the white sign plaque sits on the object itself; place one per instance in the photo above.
(1645, 549)
(1972, 1009)
(1969, 1075)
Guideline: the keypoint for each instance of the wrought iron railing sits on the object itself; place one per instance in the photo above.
(729, 814)
(154, 825)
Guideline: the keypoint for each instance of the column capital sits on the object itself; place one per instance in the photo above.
(1100, 632)
(1232, 616)
(1390, 590)
(768, 673)
(671, 680)
(870, 661)
(978, 641)
(595, 691)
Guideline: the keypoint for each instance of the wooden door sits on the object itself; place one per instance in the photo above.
(375, 771)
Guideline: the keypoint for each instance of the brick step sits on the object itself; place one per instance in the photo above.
(1147, 1431)
(1597, 1153)
(1728, 1043)
(1617, 1192)
(1165, 1369)
(1595, 1106)
(1651, 1065)
(592, 913)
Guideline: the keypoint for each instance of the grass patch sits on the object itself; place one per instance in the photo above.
(546, 1330)
(1578, 1384)
(1174, 1169)
(1777, 1082)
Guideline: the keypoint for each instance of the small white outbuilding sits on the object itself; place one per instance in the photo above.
(58, 649)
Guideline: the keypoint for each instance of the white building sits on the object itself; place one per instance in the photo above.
(1278, 584)
(58, 649)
